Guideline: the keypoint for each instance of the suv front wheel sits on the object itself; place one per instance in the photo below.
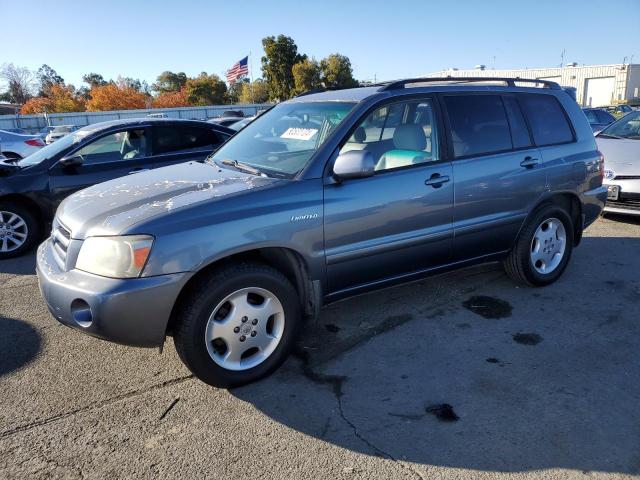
(543, 248)
(237, 325)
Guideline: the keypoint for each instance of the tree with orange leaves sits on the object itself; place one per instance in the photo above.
(115, 97)
(171, 100)
(58, 99)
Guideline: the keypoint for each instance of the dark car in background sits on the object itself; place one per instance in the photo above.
(598, 118)
(228, 118)
(31, 188)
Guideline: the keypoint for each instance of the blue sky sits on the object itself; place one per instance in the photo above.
(384, 39)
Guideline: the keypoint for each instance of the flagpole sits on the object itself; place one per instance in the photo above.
(251, 76)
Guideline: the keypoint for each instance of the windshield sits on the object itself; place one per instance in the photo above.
(55, 148)
(283, 139)
(627, 127)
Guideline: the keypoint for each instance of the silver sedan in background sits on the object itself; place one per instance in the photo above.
(16, 146)
(620, 145)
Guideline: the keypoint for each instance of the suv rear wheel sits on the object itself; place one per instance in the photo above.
(238, 325)
(19, 229)
(543, 248)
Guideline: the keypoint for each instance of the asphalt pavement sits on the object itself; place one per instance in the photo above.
(463, 375)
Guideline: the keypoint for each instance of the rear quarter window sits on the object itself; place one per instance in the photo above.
(547, 119)
(179, 139)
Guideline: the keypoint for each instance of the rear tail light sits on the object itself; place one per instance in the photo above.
(601, 166)
(35, 142)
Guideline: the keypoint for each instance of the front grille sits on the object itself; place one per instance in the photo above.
(626, 203)
(627, 177)
(60, 238)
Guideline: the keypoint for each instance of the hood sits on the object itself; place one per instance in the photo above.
(622, 156)
(112, 207)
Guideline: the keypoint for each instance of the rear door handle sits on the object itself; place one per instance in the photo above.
(529, 162)
(136, 170)
(436, 180)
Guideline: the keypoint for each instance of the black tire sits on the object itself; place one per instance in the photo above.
(33, 228)
(12, 156)
(194, 310)
(518, 264)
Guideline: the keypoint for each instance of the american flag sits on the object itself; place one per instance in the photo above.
(239, 70)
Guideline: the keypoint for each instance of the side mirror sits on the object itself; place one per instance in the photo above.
(354, 164)
(74, 161)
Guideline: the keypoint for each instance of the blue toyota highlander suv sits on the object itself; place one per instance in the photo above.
(324, 196)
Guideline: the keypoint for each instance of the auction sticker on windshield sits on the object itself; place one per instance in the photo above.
(299, 133)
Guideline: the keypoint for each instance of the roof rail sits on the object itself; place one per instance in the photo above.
(510, 81)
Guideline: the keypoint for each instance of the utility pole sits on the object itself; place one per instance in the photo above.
(562, 58)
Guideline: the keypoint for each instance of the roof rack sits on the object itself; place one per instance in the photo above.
(509, 81)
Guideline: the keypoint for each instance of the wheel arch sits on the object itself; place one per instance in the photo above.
(26, 202)
(567, 200)
(286, 260)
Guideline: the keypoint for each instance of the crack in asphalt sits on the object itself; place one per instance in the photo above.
(336, 382)
(93, 406)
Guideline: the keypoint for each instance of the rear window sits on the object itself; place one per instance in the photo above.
(547, 119)
(176, 139)
(478, 124)
(604, 117)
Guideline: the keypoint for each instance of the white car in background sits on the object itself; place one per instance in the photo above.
(620, 145)
(16, 146)
(240, 124)
(58, 132)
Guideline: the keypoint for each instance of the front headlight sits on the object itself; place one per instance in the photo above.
(115, 257)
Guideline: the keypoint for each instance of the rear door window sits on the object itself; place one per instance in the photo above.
(547, 119)
(183, 139)
(478, 124)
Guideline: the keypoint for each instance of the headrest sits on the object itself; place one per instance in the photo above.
(409, 137)
(360, 135)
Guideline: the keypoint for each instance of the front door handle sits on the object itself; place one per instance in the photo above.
(436, 180)
(529, 162)
(136, 170)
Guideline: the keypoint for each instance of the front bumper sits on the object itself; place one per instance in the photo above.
(128, 311)
(628, 201)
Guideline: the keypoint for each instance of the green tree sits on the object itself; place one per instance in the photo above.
(205, 90)
(337, 72)
(235, 89)
(170, 82)
(47, 78)
(280, 55)
(94, 80)
(306, 76)
(255, 92)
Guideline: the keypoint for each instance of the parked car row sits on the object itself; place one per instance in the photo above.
(229, 253)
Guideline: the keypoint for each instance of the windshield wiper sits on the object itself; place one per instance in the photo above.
(608, 135)
(243, 166)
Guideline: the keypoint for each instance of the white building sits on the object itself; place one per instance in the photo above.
(596, 85)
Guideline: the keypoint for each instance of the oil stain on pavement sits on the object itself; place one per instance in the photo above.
(527, 338)
(488, 307)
